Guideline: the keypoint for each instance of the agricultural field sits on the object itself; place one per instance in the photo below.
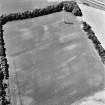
(52, 62)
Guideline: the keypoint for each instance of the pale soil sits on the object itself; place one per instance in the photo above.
(97, 99)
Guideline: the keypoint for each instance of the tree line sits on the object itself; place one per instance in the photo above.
(69, 6)
(4, 73)
(91, 35)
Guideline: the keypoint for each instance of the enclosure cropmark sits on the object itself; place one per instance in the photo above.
(68, 6)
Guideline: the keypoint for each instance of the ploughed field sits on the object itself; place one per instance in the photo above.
(54, 62)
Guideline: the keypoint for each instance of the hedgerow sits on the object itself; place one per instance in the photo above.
(91, 35)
